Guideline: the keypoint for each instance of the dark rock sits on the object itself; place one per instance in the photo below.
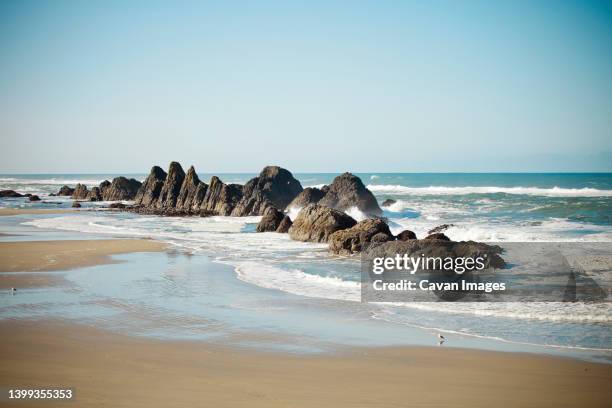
(441, 249)
(80, 192)
(406, 235)
(34, 198)
(310, 195)
(104, 188)
(198, 197)
(65, 191)
(440, 228)
(284, 226)
(117, 205)
(221, 198)
(389, 202)
(121, 188)
(149, 191)
(274, 187)
(172, 187)
(10, 194)
(438, 236)
(95, 194)
(348, 191)
(316, 223)
(188, 191)
(352, 240)
(271, 220)
(76, 204)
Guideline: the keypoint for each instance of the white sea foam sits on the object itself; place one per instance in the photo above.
(357, 214)
(297, 282)
(445, 190)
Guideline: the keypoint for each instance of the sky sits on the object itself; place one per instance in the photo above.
(381, 86)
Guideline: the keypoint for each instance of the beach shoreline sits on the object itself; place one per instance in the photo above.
(109, 369)
(58, 255)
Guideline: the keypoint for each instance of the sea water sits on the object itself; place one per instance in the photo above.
(483, 207)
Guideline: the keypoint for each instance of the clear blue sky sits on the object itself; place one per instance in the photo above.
(116, 86)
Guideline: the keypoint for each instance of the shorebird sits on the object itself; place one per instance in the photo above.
(13, 290)
(441, 338)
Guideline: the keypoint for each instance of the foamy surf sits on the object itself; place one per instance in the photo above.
(445, 190)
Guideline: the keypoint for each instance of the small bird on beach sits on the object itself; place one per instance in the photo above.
(441, 339)
(13, 290)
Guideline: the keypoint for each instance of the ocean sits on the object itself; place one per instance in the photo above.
(480, 207)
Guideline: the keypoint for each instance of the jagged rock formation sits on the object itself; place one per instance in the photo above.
(274, 187)
(149, 191)
(352, 240)
(177, 193)
(188, 194)
(65, 191)
(95, 194)
(171, 188)
(284, 225)
(406, 235)
(346, 191)
(80, 192)
(120, 189)
(221, 198)
(271, 220)
(310, 195)
(316, 223)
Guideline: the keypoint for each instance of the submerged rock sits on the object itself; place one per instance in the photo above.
(117, 205)
(34, 198)
(346, 191)
(316, 223)
(389, 202)
(352, 240)
(76, 204)
(440, 228)
(284, 226)
(274, 187)
(10, 194)
(271, 220)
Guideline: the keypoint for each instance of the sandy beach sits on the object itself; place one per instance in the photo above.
(107, 369)
(39, 256)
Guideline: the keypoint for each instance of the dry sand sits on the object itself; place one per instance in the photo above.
(111, 370)
(37, 256)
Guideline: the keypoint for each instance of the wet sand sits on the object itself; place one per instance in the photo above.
(33, 211)
(112, 370)
(31, 256)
